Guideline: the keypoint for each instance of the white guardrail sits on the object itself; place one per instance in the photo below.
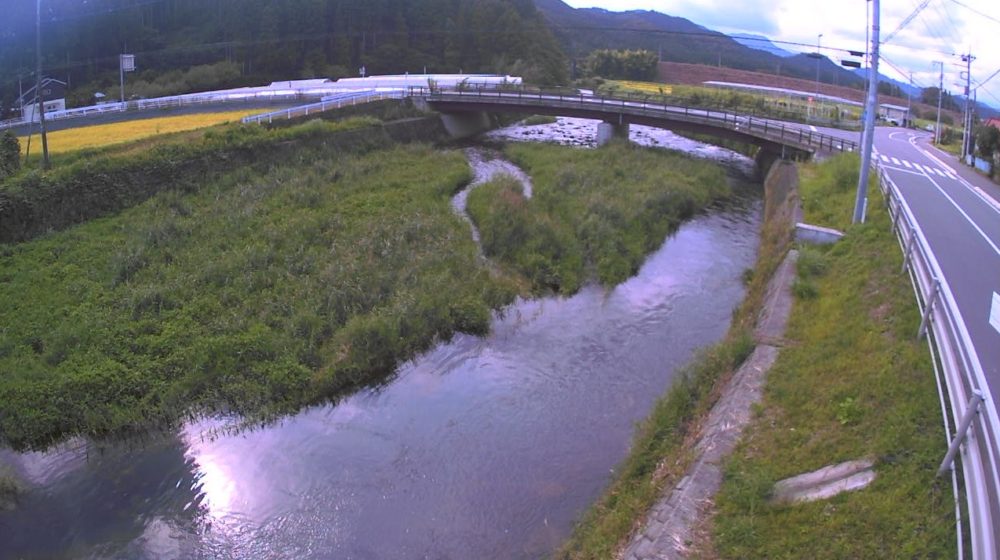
(333, 102)
(973, 432)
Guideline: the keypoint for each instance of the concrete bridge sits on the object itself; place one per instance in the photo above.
(465, 115)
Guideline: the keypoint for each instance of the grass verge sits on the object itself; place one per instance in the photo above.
(594, 214)
(853, 382)
(660, 452)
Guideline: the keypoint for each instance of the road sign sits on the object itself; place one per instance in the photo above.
(128, 62)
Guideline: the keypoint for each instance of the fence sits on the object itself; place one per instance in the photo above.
(332, 102)
(973, 432)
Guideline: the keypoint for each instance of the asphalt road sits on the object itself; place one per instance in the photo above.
(959, 213)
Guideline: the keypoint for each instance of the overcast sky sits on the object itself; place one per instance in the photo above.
(943, 30)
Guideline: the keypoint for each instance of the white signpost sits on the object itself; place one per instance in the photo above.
(126, 63)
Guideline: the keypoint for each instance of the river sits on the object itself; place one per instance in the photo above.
(480, 448)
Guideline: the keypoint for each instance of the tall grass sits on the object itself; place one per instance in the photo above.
(853, 382)
(595, 214)
(258, 293)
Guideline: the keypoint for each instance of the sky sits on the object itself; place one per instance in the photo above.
(943, 31)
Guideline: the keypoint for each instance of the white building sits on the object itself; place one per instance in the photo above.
(895, 114)
(53, 96)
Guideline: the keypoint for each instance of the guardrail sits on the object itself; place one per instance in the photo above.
(762, 128)
(973, 433)
(335, 102)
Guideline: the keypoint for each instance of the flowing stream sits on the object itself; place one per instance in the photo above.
(480, 448)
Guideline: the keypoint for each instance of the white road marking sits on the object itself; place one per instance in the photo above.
(884, 158)
(812, 128)
(936, 170)
(894, 160)
(907, 164)
(929, 169)
(965, 215)
(995, 312)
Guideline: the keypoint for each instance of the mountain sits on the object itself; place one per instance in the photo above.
(581, 30)
(185, 44)
(761, 43)
(906, 88)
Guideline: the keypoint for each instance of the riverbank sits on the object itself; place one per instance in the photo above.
(663, 448)
(264, 288)
(852, 382)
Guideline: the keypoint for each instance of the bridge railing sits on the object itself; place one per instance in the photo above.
(974, 428)
(335, 102)
(763, 128)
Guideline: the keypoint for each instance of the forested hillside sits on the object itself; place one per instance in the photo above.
(254, 41)
(679, 40)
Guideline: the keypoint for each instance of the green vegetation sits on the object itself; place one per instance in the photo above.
(853, 382)
(764, 105)
(10, 155)
(622, 65)
(261, 291)
(193, 45)
(594, 213)
(660, 454)
(83, 187)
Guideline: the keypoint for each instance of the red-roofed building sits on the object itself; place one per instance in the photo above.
(993, 121)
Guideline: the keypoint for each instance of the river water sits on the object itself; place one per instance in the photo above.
(481, 448)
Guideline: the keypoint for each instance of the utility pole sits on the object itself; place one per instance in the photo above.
(967, 134)
(818, 56)
(937, 127)
(38, 84)
(861, 201)
(909, 102)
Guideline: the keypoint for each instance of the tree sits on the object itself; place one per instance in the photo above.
(988, 141)
(627, 65)
(10, 155)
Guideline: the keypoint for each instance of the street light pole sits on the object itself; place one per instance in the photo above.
(967, 134)
(937, 127)
(871, 107)
(38, 84)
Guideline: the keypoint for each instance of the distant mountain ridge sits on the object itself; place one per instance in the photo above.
(761, 43)
(581, 30)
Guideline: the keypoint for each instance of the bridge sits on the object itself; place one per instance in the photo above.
(617, 113)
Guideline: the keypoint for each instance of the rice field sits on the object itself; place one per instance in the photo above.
(99, 136)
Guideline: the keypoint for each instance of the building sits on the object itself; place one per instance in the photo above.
(993, 121)
(53, 97)
(895, 114)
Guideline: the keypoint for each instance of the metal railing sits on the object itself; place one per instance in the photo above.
(645, 106)
(973, 436)
(332, 102)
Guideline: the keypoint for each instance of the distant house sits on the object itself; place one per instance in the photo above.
(896, 114)
(993, 121)
(53, 99)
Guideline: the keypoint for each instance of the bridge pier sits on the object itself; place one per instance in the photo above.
(465, 124)
(607, 131)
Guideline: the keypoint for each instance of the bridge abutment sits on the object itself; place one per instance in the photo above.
(607, 132)
(465, 124)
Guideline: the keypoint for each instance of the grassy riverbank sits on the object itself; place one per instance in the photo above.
(660, 452)
(595, 213)
(257, 293)
(852, 382)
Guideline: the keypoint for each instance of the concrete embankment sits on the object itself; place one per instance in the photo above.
(670, 525)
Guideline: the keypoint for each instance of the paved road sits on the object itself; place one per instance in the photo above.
(959, 213)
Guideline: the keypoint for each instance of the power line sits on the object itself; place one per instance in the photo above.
(906, 21)
(975, 11)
